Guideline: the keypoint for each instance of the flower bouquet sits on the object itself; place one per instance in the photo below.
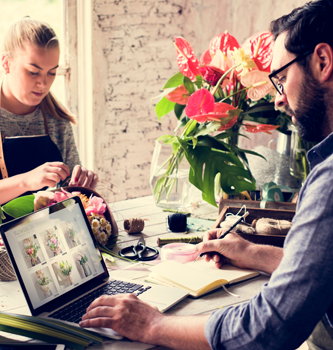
(66, 269)
(43, 282)
(82, 259)
(31, 250)
(214, 99)
(94, 204)
(52, 242)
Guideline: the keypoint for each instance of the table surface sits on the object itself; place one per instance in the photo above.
(12, 298)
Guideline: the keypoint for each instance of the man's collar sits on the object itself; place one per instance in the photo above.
(321, 151)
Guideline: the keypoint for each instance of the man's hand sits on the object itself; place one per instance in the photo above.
(230, 250)
(237, 251)
(83, 177)
(125, 314)
(138, 321)
(47, 174)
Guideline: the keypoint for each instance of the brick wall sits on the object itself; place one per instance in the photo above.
(133, 56)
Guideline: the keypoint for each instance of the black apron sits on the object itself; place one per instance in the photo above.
(25, 153)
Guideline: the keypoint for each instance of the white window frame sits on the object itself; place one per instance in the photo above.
(79, 80)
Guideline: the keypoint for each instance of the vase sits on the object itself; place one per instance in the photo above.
(169, 178)
(35, 261)
(70, 279)
(46, 289)
(299, 166)
(86, 269)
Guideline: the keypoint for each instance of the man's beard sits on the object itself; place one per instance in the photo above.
(311, 111)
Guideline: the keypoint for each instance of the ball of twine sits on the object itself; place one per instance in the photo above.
(6, 269)
(134, 225)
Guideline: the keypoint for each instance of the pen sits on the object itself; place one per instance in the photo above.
(228, 230)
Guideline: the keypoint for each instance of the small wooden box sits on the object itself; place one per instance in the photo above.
(257, 213)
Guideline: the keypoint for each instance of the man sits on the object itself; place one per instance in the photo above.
(299, 295)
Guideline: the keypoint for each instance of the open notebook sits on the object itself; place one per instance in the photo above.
(197, 277)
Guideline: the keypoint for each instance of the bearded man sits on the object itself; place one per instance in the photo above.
(298, 299)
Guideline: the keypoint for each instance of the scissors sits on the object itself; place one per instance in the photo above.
(140, 251)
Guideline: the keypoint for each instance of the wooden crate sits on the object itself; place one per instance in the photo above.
(257, 213)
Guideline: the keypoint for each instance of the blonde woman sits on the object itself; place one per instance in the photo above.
(37, 148)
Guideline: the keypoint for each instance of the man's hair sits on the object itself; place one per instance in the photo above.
(306, 26)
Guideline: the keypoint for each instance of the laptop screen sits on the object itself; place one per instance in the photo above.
(53, 251)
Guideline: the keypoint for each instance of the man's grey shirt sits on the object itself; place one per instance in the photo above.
(300, 291)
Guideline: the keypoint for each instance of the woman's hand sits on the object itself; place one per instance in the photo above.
(47, 174)
(83, 177)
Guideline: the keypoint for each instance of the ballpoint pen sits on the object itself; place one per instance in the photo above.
(228, 230)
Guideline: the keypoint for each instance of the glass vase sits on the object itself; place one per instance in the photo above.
(169, 177)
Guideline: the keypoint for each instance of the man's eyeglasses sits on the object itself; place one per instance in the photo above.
(277, 81)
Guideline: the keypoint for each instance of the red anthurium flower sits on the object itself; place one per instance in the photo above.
(205, 58)
(219, 112)
(187, 61)
(212, 75)
(179, 95)
(223, 42)
(260, 128)
(200, 102)
(260, 48)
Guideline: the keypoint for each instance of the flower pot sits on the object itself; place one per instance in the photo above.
(169, 178)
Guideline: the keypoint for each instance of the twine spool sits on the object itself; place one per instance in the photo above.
(6, 269)
(266, 226)
(177, 222)
(163, 241)
(134, 225)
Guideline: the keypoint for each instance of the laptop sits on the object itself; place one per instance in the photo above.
(60, 268)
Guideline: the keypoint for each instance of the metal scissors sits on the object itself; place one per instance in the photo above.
(140, 251)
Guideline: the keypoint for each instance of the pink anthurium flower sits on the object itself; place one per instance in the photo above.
(258, 83)
(97, 206)
(200, 102)
(260, 48)
(223, 42)
(205, 58)
(260, 128)
(187, 61)
(179, 95)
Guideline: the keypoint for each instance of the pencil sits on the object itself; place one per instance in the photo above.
(229, 230)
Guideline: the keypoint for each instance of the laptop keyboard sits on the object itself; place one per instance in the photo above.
(74, 311)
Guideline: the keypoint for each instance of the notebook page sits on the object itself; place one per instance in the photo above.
(230, 273)
(185, 275)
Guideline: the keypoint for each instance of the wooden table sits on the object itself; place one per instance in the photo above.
(12, 299)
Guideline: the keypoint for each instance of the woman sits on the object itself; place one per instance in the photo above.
(37, 147)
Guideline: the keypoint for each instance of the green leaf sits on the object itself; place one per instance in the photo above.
(163, 107)
(179, 110)
(2, 215)
(188, 85)
(204, 129)
(174, 81)
(20, 206)
(198, 82)
(233, 113)
(207, 162)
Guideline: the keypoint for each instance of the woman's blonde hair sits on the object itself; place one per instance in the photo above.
(39, 33)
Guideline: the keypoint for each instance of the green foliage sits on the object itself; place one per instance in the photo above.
(163, 107)
(206, 162)
(19, 206)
